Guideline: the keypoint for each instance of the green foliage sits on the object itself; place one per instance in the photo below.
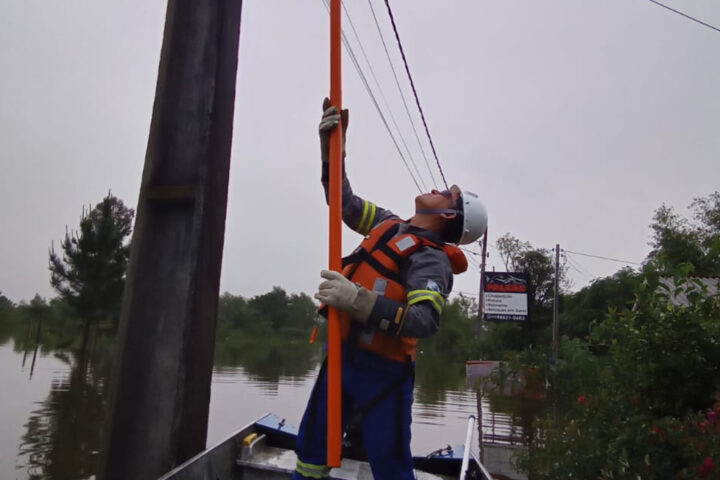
(90, 274)
(696, 241)
(50, 325)
(592, 303)
(638, 411)
(267, 334)
(8, 318)
(539, 264)
(498, 338)
(455, 341)
(270, 314)
(5, 303)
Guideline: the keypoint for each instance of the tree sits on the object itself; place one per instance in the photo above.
(539, 264)
(270, 308)
(677, 240)
(5, 302)
(592, 303)
(510, 249)
(90, 274)
(649, 408)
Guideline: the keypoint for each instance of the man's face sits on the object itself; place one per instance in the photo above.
(435, 199)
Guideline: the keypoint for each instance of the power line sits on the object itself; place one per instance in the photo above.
(382, 95)
(473, 262)
(602, 258)
(400, 91)
(685, 15)
(350, 52)
(467, 250)
(412, 84)
(579, 268)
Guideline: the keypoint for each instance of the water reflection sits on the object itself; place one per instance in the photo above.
(269, 362)
(62, 434)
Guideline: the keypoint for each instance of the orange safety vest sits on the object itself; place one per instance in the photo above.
(375, 265)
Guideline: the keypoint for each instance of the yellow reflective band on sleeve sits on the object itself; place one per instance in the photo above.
(372, 217)
(312, 471)
(417, 296)
(368, 217)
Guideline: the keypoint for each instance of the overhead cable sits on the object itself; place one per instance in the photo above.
(400, 91)
(579, 268)
(602, 258)
(382, 95)
(412, 84)
(351, 54)
(473, 262)
(686, 16)
(467, 250)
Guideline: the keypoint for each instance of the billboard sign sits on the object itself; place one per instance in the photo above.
(505, 296)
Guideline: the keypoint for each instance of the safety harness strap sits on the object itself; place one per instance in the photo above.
(363, 255)
(361, 411)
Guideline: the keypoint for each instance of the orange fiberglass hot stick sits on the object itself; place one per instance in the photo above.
(334, 400)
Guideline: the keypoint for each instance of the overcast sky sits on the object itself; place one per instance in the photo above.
(573, 120)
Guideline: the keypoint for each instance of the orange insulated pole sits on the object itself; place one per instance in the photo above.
(334, 413)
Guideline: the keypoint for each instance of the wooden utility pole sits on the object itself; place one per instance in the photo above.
(556, 298)
(160, 389)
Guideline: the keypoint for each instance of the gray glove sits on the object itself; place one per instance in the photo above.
(328, 122)
(339, 292)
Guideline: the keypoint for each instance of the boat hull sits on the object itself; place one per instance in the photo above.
(264, 450)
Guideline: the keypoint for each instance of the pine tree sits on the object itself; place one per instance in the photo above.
(90, 275)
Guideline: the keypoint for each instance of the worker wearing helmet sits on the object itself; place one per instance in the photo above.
(391, 292)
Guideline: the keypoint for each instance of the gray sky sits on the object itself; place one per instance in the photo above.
(573, 120)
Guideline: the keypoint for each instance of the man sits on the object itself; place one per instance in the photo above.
(391, 292)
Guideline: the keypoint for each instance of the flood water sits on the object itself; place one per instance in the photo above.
(52, 413)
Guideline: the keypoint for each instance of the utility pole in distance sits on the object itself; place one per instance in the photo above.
(556, 298)
(160, 389)
(481, 296)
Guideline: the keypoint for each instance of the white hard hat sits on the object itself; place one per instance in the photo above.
(475, 217)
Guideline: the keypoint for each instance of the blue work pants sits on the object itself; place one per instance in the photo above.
(385, 427)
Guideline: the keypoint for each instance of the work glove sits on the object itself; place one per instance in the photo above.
(328, 122)
(339, 292)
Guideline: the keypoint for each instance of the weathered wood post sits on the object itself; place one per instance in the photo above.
(160, 390)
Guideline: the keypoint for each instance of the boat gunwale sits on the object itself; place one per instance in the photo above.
(207, 451)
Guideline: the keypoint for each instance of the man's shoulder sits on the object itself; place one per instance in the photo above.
(430, 254)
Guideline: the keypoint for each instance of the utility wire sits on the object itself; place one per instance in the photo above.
(382, 95)
(349, 50)
(467, 250)
(579, 268)
(400, 91)
(685, 15)
(473, 262)
(412, 84)
(602, 258)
